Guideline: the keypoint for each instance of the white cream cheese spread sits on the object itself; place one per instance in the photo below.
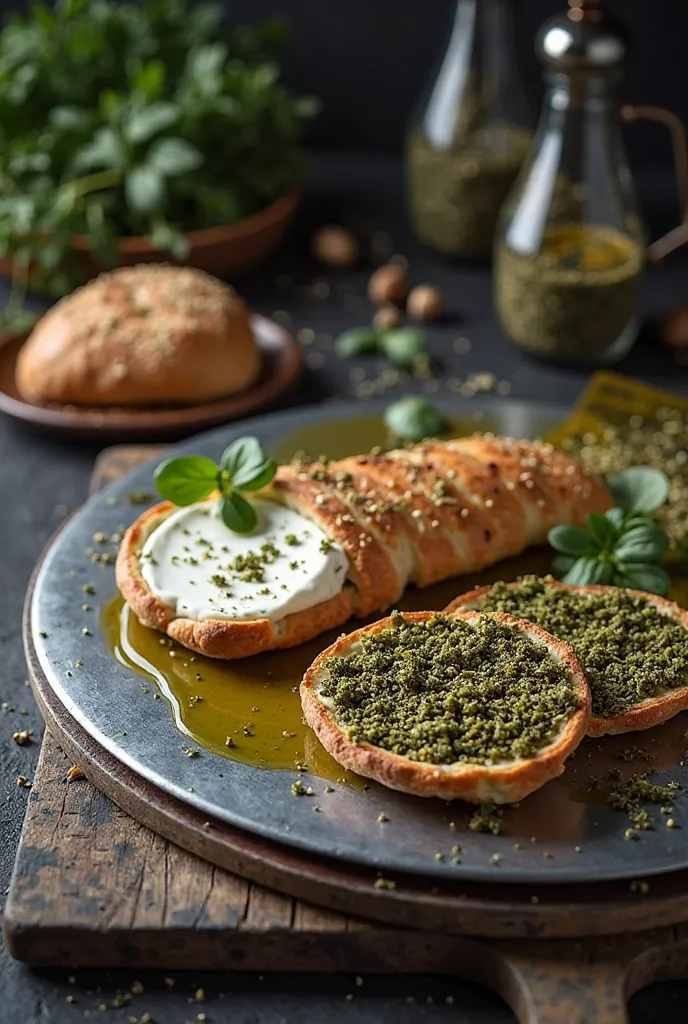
(201, 569)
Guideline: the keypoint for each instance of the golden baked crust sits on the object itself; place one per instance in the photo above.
(145, 335)
(413, 516)
(502, 783)
(645, 714)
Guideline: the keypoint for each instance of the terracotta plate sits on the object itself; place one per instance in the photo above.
(281, 367)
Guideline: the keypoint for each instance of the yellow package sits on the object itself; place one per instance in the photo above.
(619, 422)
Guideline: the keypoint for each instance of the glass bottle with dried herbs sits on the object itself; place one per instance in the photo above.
(570, 249)
(471, 134)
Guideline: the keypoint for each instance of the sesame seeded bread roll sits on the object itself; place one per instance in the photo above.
(416, 516)
(145, 335)
(416, 727)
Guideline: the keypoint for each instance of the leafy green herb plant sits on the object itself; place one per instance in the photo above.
(413, 418)
(122, 118)
(623, 546)
(405, 347)
(244, 466)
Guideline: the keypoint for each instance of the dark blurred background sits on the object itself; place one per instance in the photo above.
(368, 60)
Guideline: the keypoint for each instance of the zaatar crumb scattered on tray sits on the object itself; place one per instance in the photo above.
(298, 789)
(487, 818)
(384, 883)
(630, 795)
(660, 441)
(139, 497)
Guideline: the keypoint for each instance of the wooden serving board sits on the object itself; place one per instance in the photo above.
(92, 886)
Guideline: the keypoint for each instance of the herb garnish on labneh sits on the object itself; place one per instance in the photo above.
(244, 466)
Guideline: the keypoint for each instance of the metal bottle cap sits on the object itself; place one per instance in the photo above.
(584, 39)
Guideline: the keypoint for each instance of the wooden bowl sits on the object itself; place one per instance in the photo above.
(222, 251)
(281, 366)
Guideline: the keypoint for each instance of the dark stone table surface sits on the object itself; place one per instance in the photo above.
(42, 479)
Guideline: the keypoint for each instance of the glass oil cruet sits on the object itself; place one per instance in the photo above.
(570, 249)
(468, 140)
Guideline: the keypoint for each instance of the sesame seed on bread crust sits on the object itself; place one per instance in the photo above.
(397, 526)
(145, 335)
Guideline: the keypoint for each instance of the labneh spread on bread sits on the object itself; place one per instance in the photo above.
(412, 516)
(201, 569)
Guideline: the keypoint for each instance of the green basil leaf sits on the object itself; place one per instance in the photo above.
(601, 529)
(171, 157)
(643, 576)
(603, 573)
(403, 346)
(144, 188)
(70, 119)
(634, 519)
(582, 573)
(261, 479)
(143, 124)
(572, 540)
(616, 516)
(248, 464)
(150, 79)
(640, 489)
(643, 544)
(414, 418)
(104, 150)
(168, 239)
(357, 341)
(186, 479)
(237, 513)
(562, 563)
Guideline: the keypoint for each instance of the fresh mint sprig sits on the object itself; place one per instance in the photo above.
(621, 547)
(244, 466)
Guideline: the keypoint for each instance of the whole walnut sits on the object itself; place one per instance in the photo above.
(335, 246)
(674, 330)
(425, 302)
(388, 283)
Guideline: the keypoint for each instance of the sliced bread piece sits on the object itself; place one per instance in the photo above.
(643, 653)
(413, 516)
(471, 706)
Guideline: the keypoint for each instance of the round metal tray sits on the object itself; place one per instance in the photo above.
(106, 699)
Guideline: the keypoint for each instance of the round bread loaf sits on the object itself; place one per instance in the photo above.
(145, 335)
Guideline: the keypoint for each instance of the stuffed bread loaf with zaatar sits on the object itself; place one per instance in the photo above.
(345, 538)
